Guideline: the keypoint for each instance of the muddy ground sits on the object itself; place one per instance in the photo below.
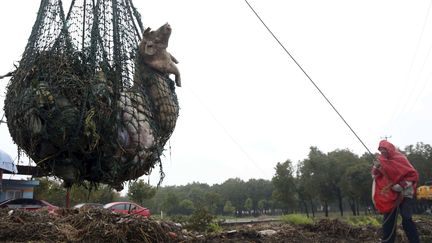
(96, 225)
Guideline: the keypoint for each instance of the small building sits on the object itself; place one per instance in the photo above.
(10, 189)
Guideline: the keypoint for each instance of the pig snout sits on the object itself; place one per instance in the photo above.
(164, 30)
(167, 26)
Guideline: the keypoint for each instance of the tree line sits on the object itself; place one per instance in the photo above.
(338, 181)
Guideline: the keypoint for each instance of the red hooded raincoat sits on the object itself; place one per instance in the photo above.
(394, 170)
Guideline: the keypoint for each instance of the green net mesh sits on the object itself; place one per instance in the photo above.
(80, 104)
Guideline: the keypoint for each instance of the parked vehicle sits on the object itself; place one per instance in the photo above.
(88, 205)
(424, 192)
(28, 204)
(128, 208)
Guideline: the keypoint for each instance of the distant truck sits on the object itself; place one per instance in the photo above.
(425, 192)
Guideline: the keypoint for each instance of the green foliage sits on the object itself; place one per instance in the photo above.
(87, 192)
(248, 204)
(171, 203)
(214, 228)
(228, 208)
(296, 219)
(212, 200)
(51, 190)
(420, 155)
(363, 221)
(201, 221)
(182, 219)
(234, 190)
(139, 191)
(262, 204)
(284, 184)
(186, 207)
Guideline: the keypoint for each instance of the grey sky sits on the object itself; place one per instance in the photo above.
(245, 105)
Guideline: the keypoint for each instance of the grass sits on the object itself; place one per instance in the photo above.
(297, 219)
(359, 221)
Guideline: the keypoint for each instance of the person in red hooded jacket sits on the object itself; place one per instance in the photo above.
(395, 181)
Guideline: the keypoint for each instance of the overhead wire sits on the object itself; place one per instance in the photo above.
(226, 131)
(310, 79)
(403, 107)
(423, 84)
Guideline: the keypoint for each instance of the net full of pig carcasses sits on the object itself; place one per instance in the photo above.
(80, 104)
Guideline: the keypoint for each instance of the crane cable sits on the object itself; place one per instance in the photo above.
(310, 79)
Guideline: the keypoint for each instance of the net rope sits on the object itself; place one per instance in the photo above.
(80, 104)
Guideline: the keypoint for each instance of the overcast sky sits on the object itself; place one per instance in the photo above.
(245, 105)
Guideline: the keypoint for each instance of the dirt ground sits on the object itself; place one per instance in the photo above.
(96, 225)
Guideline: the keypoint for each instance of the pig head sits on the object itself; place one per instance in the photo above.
(152, 50)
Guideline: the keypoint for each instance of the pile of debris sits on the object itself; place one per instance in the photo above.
(100, 225)
(86, 225)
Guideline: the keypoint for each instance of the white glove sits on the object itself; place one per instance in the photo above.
(397, 188)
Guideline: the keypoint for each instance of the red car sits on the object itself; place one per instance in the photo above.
(28, 204)
(128, 208)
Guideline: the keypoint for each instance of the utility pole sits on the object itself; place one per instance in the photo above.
(386, 137)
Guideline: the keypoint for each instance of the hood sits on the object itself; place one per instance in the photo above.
(396, 167)
(391, 149)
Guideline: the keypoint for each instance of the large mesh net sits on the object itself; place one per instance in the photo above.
(81, 104)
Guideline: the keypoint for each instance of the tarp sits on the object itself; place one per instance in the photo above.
(6, 163)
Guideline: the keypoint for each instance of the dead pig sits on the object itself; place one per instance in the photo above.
(152, 50)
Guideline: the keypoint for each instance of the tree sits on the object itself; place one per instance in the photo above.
(233, 190)
(258, 190)
(229, 208)
(171, 203)
(212, 201)
(284, 187)
(301, 182)
(248, 204)
(51, 190)
(262, 205)
(139, 191)
(420, 156)
(356, 184)
(186, 207)
(338, 162)
(316, 175)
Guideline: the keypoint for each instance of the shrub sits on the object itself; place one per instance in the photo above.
(201, 220)
(296, 219)
(363, 221)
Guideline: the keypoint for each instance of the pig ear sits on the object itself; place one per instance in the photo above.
(147, 30)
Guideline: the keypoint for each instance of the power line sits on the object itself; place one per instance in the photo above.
(402, 108)
(310, 79)
(226, 131)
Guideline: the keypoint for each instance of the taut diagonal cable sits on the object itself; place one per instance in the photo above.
(310, 79)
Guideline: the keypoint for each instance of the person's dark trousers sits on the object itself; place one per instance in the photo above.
(390, 223)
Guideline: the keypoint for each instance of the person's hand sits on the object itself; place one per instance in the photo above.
(376, 163)
(397, 188)
(374, 172)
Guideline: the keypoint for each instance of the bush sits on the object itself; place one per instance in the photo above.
(214, 228)
(181, 219)
(296, 219)
(363, 221)
(201, 220)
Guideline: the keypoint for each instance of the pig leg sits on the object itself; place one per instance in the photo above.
(174, 70)
(173, 58)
